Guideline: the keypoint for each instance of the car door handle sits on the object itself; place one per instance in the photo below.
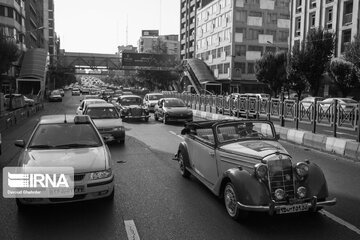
(211, 154)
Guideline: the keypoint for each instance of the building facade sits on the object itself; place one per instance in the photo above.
(232, 34)
(188, 10)
(150, 42)
(34, 24)
(127, 48)
(338, 16)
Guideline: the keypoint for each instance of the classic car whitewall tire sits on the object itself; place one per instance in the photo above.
(183, 171)
(230, 201)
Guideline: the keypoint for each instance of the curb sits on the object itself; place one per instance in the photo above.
(347, 148)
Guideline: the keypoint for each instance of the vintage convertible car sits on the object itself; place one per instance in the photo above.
(242, 162)
(132, 107)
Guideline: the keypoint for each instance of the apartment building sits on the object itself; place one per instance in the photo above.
(338, 16)
(188, 10)
(34, 24)
(148, 42)
(232, 34)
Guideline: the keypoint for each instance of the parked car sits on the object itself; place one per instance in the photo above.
(62, 92)
(107, 120)
(69, 141)
(309, 101)
(55, 96)
(18, 101)
(132, 107)
(347, 105)
(29, 101)
(85, 102)
(172, 109)
(151, 99)
(75, 92)
(242, 162)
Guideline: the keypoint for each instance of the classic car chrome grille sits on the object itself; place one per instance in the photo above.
(281, 177)
(136, 111)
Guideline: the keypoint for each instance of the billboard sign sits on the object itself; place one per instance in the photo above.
(150, 33)
(148, 60)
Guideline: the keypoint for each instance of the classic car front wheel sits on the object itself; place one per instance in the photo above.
(230, 200)
(181, 159)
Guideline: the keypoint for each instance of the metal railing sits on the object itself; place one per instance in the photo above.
(333, 116)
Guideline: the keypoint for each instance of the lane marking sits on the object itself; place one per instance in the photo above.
(131, 230)
(174, 133)
(340, 221)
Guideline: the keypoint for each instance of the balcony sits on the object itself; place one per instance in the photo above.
(347, 19)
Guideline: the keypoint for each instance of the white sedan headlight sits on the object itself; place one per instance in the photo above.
(100, 174)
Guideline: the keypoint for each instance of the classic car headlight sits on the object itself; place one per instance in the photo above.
(301, 192)
(279, 194)
(261, 171)
(100, 174)
(302, 169)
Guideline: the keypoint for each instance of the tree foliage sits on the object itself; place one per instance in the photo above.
(271, 70)
(153, 80)
(9, 52)
(62, 76)
(352, 51)
(344, 74)
(311, 59)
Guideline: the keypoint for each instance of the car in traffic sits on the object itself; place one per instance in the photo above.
(132, 107)
(80, 109)
(242, 162)
(307, 102)
(151, 99)
(107, 120)
(69, 141)
(172, 109)
(75, 91)
(55, 96)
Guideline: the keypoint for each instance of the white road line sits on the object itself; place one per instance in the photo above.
(340, 221)
(174, 133)
(131, 230)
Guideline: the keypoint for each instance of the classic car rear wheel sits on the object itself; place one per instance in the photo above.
(182, 166)
(230, 200)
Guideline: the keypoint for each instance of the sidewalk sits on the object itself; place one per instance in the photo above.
(346, 148)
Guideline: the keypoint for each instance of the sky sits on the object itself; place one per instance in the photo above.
(99, 26)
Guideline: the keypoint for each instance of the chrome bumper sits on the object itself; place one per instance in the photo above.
(272, 208)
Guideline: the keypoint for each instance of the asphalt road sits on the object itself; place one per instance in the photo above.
(153, 201)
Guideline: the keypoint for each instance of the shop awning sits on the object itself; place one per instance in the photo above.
(34, 64)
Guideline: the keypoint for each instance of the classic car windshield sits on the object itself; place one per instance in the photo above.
(155, 97)
(244, 130)
(131, 101)
(174, 103)
(102, 112)
(64, 135)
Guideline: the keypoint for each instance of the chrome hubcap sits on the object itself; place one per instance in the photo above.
(181, 163)
(230, 200)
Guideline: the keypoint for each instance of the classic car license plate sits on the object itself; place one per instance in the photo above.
(79, 189)
(293, 208)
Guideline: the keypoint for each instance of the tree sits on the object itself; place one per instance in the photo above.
(153, 80)
(344, 74)
(313, 57)
(159, 47)
(352, 51)
(9, 52)
(271, 70)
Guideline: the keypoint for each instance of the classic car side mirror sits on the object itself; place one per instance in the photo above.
(185, 131)
(277, 136)
(20, 143)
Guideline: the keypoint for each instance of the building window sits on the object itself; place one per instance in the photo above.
(328, 17)
(271, 32)
(10, 12)
(239, 67)
(329, 1)
(254, 34)
(227, 51)
(226, 68)
(213, 53)
(297, 26)
(241, 30)
(219, 51)
(270, 49)
(2, 11)
(313, 4)
(241, 16)
(271, 18)
(312, 19)
(298, 6)
(251, 68)
(348, 9)
(220, 68)
(283, 36)
(240, 50)
(256, 49)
